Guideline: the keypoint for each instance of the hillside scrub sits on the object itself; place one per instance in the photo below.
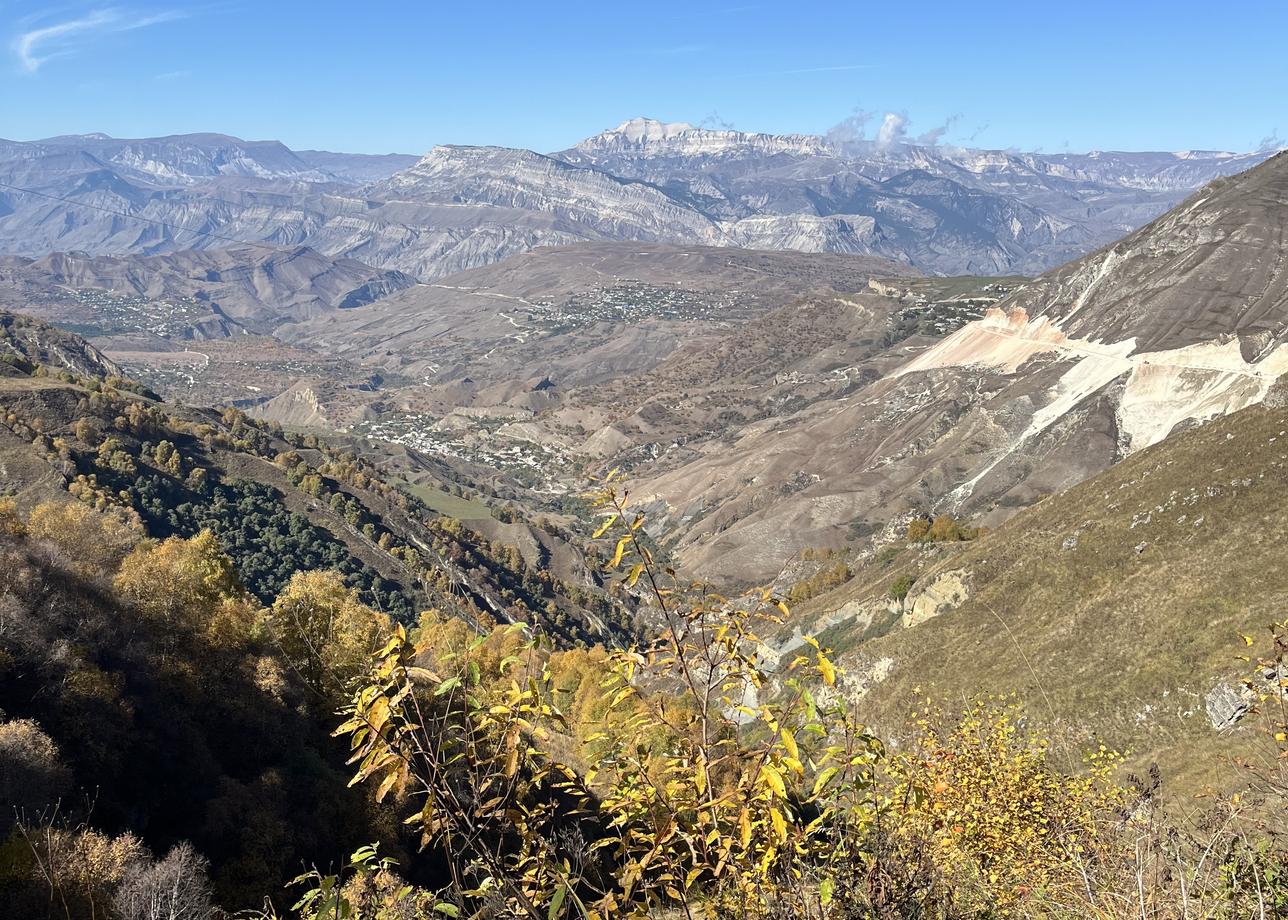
(279, 504)
(144, 694)
(943, 528)
(495, 775)
(825, 579)
(713, 788)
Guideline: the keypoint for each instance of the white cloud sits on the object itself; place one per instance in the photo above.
(37, 46)
(893, 130)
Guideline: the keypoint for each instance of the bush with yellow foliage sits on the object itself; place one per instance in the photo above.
(92, 543)
(326, 633)
(743, 797)
(1000, 822)
(692, 777)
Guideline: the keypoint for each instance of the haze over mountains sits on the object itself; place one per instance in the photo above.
(938, 209)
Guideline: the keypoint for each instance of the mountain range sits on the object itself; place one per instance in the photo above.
(939, 209)
(390, 381)
(764, 403)
(844, 395)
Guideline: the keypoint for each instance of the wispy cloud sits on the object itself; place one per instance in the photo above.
(832, 69)
(679, 49)
(37, 46)
(173, 75)
(716, 122)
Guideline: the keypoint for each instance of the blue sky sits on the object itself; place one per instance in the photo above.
(383, 76)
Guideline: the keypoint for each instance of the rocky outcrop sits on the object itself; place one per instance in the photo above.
(1226, 705)
(943, 594)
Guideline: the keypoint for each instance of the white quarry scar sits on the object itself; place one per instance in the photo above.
(1163, 388)
(1106, 264)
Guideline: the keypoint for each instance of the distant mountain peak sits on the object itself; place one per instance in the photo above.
(650, 129)
(650, 136)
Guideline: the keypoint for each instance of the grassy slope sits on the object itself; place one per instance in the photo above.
(1121, 637)
(463, 509)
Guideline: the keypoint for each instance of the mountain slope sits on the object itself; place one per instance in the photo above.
(258, 288)
(183, 158)
(943, 210)
(359, 168)
(538, 314)
(1011, 406)
(277, 504)
(1213, 266)
(1117, 604)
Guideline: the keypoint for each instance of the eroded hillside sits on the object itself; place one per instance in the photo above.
(1118, 604)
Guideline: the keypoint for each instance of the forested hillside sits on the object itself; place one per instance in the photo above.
(277, 503)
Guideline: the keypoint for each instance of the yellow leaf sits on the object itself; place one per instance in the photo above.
(386, 785)
(744, 828)
(603, 528)
(378, 715)
(774, 780)
(789, 742)
(780, 826)
(828, 670)
(617, 556)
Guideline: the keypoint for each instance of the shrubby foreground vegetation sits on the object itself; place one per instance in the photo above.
(174, 746)
(219, 694)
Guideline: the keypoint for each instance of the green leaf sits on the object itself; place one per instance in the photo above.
(556, 903)
(824, 777)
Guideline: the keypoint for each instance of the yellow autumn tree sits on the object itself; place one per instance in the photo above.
(188, 584)
(93, 543)
(325, 631)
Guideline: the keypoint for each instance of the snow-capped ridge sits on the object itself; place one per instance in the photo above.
(649, 136)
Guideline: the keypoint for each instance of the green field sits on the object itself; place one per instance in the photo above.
(463, 509)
